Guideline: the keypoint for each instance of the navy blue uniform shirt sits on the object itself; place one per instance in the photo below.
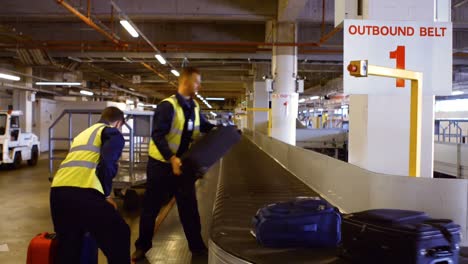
(163, 121)
(111, 150)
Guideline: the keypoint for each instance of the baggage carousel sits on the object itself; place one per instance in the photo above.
(250, 179)
(229, 196)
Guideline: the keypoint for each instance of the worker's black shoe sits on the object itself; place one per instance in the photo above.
(139, 255)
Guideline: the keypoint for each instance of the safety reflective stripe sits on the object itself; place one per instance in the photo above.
(176, 131)
(79, 163)
(93, 135)
(90, 145)
(173, 146)
(86, 148)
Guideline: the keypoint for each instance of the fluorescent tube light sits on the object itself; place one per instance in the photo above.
(129, 28)
(127, 59)
(215, 99)
(457, 92)
(160, 59)
(88, 93)
(175, 72)
(59, 83)
(9, 77)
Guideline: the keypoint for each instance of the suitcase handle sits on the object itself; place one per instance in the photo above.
(440, 252)
(445, 232)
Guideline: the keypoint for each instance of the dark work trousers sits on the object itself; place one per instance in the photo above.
(76, 211)
(161, 186)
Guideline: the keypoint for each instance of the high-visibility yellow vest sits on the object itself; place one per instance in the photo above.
(79, 167)
(174, 137)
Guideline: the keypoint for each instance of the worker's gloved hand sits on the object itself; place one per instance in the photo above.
(176, 164)
(112, 202)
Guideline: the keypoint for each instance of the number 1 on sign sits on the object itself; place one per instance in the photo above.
(399, 56)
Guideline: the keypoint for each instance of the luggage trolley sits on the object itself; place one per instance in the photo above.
(132, 165)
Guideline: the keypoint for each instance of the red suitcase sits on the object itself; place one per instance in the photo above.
(42, 249)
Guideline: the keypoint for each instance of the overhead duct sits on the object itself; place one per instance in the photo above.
(115, 87)
(333, 85)
(33, 57)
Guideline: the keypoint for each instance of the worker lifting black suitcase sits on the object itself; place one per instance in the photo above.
(399, 236)
(206, 151)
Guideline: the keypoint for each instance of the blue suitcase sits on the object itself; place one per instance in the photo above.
(302, 222)
(399, 236)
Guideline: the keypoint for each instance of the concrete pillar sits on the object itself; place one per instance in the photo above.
(379, 125)
(284, 102)
(22, 101)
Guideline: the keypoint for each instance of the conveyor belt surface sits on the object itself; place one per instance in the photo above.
(249, 180)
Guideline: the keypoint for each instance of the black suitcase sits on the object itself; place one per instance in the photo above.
(205, 152)
(399, 236)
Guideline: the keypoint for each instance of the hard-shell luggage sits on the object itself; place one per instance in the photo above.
(205, 152)
(42, 249)
(303, 222)
(399, 236)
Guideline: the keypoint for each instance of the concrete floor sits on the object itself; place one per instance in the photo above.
(25, 212)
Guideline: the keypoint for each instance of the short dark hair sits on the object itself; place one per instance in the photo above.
(188, 71)
(112, 114)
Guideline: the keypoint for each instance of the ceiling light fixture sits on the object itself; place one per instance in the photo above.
(9, 77)
(74, 59)
(85, 92)
(130, 29)
(213, 113)
(175, 72)
(314, 97)
(215, 99)
(127, 59)
(58, 83)
(160, 59)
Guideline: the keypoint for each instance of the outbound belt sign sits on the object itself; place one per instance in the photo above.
(418, 46)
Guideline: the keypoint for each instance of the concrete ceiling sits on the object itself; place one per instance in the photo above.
(224, 38)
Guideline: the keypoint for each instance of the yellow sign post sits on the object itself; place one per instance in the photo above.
(263, 110)
(363, 69)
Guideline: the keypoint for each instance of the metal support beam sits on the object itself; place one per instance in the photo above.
(91, 23)
(147, 66)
